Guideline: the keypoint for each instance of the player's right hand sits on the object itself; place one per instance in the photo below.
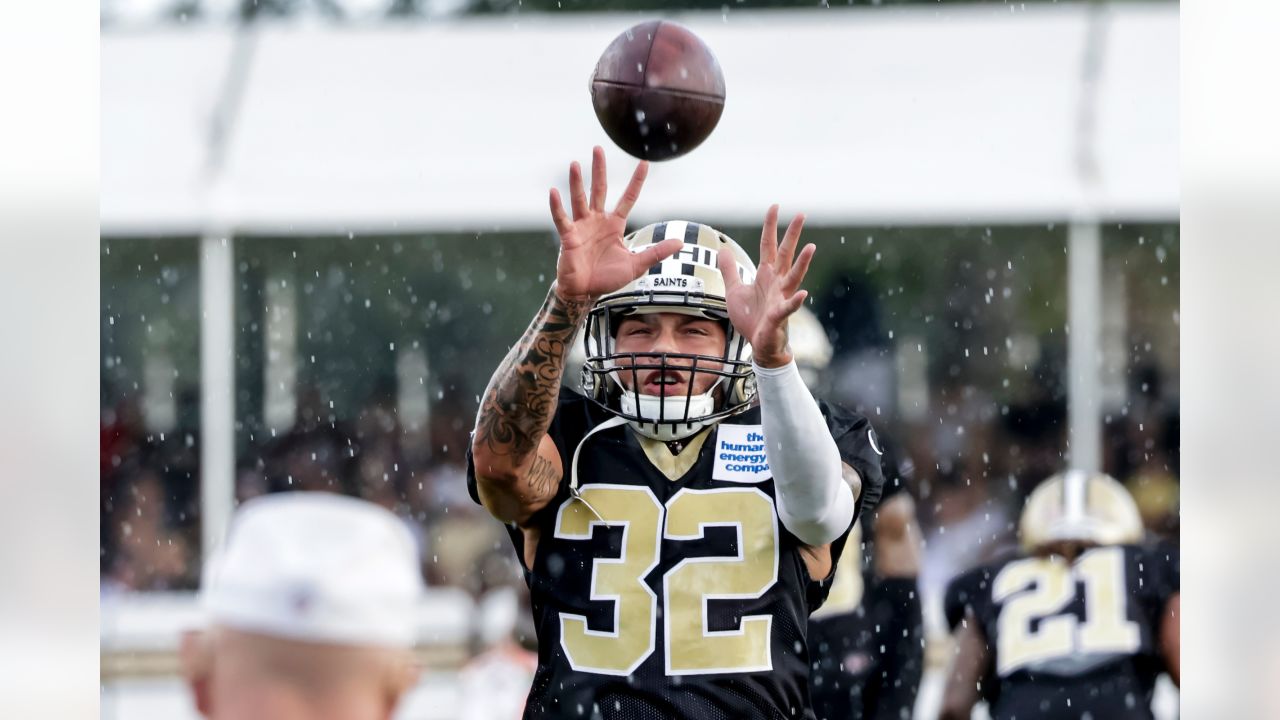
(593, 261)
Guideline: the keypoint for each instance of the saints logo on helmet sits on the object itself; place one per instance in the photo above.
(1079, 507)
(688, 282)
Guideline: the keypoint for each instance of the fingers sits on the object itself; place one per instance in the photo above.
(790, 305)
(795, 275)
(789, 242)
(577, 195)
(778, 314)
(599, 179)
(557, 214)
(769, 237)
(728, 268)
(632, 193)
(654, 254)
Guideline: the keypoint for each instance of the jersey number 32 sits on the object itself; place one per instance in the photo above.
(692, 648)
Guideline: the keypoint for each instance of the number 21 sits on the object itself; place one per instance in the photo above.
(1040, 588)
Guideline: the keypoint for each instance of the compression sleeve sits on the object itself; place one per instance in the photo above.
(814, 501)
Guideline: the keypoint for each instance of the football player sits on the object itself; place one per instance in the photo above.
(867, 639)
(1078, 624)
(679, 523)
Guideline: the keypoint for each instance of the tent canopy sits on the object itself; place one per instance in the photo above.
(959, 114)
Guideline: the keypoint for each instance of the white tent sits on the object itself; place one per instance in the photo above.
(914, 115)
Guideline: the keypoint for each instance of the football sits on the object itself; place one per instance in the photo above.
(657, 90)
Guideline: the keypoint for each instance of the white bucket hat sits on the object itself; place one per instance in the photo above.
(316, 567)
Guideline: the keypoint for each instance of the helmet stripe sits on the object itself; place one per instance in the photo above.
(1074, 487)
(692, 232)
(657, 233)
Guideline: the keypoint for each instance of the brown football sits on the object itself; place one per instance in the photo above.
(657, 90)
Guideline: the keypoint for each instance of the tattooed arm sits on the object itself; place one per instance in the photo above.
(518, 467)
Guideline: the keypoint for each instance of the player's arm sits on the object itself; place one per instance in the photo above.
(517, 466)
(817, 558)
(1171, 638)
(897, 538)
(894, 601)
(968, 666)
(814, 492)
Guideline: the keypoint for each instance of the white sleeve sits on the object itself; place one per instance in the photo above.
(814, 501)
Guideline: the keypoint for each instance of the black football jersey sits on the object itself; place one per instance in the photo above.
(1071, 639)
(667, 587)
(844, 642)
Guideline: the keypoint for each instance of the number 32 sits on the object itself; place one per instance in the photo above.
(691, 647)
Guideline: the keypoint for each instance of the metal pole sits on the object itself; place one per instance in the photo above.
(217, 387)
(1084, 261)
(1084, 320)
(217, 301)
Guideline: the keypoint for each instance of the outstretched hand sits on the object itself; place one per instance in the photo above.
(593, 261)
(759, 310)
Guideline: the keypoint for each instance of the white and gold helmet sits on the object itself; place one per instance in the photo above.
(1079, 507)
(809, 345)
(688, 282)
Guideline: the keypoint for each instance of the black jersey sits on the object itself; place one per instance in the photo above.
(847, 636)
(1071, 640)
(668, 587)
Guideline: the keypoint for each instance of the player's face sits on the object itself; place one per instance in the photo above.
(668, 333)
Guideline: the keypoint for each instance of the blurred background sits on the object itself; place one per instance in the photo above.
(324, 222)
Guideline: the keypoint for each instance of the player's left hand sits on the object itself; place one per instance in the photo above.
(759, 310)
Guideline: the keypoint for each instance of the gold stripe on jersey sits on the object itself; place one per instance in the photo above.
(673, 466)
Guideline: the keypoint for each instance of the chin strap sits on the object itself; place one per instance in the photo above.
(666, 432)
(612, 422)
(677, 407)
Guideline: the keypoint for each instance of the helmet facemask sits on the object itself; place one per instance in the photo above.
(689, 284)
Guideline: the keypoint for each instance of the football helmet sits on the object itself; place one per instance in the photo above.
(688, 282)
(1081, 507)
(809, 345)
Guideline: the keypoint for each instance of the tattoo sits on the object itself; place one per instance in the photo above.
(521, 398)
(542, 477)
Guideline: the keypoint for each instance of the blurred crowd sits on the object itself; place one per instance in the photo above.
(969, 458)
(150, 495)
